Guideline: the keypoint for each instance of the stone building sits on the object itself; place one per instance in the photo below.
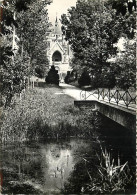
(58, 51)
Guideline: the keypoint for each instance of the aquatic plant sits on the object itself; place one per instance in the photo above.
(100, 173)
(111, 176)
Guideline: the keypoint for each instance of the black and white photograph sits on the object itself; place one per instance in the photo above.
(68, 97)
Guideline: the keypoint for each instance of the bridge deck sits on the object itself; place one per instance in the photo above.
(92, 95)
(119, 113)
(78, 94)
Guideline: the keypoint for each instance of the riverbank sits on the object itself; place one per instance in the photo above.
(32, 133)
(45, 112)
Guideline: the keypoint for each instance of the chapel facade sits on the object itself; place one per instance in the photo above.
(58, 51)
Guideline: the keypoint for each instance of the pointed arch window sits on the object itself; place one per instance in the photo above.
(56, 57)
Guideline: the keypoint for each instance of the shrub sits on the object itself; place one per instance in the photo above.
(53, 77)
(67, 78)
(41, 114)
(103, 81)
(71, 77)
(84, 79)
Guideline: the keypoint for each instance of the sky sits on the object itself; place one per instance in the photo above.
(59, 7)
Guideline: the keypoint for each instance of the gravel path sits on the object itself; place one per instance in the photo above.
(77, 93)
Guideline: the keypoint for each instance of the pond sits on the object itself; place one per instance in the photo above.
(45, 167)
(42, 166)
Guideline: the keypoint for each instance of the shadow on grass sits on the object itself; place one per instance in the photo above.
(45, 85)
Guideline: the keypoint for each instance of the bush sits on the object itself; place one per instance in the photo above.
(103, 81)
(41, 114)
(71, 77)
(39, 72)
(67, 78)
(84, 79)
(53, 77)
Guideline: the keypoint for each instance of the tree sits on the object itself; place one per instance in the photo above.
(125, 66)
(12, 79)
(17, 47)
(92, 29)
(35, 26)
(123, 6)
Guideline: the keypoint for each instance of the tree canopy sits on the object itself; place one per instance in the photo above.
(23, 43)
(125, 66)
(123, 6)
(93, 28)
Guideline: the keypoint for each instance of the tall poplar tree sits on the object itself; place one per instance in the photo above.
(15, 35)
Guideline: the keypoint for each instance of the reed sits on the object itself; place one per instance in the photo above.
(112, 177)
(42, 114)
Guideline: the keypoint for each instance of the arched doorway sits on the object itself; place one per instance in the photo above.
(56, 57)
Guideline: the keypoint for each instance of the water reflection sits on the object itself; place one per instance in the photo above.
(41, 167)
(59, 162)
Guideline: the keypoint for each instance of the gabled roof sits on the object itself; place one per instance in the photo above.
(58, 44)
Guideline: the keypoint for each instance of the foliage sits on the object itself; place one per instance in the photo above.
(125, 67)
(84, 79)
(114, 178)
(123, 6)
(93, 46)
(71, 76)
(52, 77)
(105, 80)
(33, 29)
(11, 80)
(84, 28)
(43, 114)
(15, 56)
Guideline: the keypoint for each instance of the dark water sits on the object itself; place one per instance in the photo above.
(119, 140)
(43, 167)
(37, 168)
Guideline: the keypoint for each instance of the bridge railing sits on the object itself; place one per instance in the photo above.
(118, 97)
(114, 96)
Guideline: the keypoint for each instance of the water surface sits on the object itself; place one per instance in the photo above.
(37, 168)
(43, 166)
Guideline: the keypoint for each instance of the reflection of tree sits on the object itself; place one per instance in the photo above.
(58, 159)
(60, 163)
(77, 179)
(21, 163)
(55, 151)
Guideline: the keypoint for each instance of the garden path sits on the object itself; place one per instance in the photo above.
(76, 93)
(79, 94)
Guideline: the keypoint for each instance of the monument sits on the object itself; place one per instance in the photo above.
(58, 51)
